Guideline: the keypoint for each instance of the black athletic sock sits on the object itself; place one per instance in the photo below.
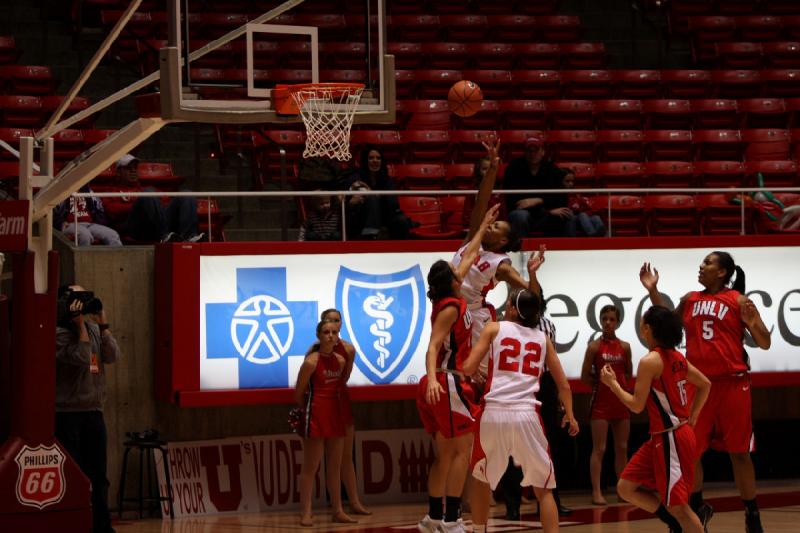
(435, 510)
(750, 506)
(667, 518)
(452, 508)
(696, 500)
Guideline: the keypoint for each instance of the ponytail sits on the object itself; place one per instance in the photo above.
(738, 281)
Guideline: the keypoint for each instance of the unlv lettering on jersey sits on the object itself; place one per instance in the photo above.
(710, 308)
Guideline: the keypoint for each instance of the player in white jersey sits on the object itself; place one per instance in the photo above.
(509, 423)
(493, 264)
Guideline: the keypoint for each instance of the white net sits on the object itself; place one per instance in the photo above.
(327, 111)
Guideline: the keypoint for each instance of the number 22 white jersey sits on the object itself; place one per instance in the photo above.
(516, 360)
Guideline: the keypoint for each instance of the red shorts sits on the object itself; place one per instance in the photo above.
(346, 408)
(324, 419)
(454, 414)
(606, 406)
(726, 421)
(665, 463)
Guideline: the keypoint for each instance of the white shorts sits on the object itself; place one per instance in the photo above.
(516, 433)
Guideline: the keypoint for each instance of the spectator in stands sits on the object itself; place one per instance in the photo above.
(146, 219)
(366, 215)
(547, 213)
(583, 215)
(323, 223)
(86, 217)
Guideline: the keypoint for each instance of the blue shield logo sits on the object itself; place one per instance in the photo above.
(383, 317)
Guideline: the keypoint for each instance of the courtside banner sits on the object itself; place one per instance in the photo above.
(256, 313)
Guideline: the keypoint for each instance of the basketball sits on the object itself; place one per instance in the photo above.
(465, 98)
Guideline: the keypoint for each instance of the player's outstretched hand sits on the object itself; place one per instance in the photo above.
(648, 276)
(489, 217)
(492, 145)
(607, 375)
(536, 259)
(434, 391)
(572, 423)
(749, 312)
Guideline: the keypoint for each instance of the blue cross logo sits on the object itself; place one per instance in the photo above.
(261, 328)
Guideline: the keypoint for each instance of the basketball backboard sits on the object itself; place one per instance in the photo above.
(236, 59)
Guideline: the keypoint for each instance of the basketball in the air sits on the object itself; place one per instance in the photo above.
(465, 98)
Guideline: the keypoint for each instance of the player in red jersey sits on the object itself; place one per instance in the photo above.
(509, 422)
(606, 409)
(445, 400)
(318, 389)
(715, 320)
(665, 462)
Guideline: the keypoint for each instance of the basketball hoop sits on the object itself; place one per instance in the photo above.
(327, 110)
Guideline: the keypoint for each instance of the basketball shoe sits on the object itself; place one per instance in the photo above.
(704, 513)
(429, 525)
(752, 522)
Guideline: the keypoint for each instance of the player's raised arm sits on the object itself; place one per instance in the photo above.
(564, 392)
(752, 321)
(486, 186)
(703, 388)
(473, 361)
(304, 376)
(507, 273)
(471, 251)
(649, 367)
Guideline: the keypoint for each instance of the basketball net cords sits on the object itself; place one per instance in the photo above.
(328, 116)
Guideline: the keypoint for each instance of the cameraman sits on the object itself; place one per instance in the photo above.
(84, 345)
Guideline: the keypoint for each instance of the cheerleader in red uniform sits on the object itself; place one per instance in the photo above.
(606, 409)
(318, 389)
(348, 351)
(445, 399)
(665, 463)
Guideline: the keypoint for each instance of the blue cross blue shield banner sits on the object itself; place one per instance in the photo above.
(383, 316)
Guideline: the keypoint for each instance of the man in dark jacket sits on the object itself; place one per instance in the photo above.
(547, 212)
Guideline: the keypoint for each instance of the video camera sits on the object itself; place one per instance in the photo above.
(91, 305)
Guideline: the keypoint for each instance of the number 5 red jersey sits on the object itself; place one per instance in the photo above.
(714, 332)
(667, 403)
(515, 363)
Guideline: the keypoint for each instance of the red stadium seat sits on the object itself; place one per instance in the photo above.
(791, 25)
(454, 218)
(67, 144)
(672, 214)
(466, 28)
(159, 176)
(763, 113)
(618, 114)
(406, 55)
(766, 144)
(492, 55)
(426, 145)
(715, 113)
(681, 10)
(388, 141)
(139, 25)
(739, 55)
(445, 55)
(435, 83)
(27, 79)
(558, 28)
(427, 210)
(737, 83)
(343, 75)
(627, 214)
(572, 145)
(292, 141)
(705, 31)
(537, 84)
(487, 117)
(792, 106)
(719, 174)
(460, 175)
(686, 83)
(667, 114)
(210, 219)
(495, 84)
(781, 83)
(345, 55)
(11, 137)
(8, 50)
(536, 7)
(775, 173)
(22, 111)
(583, 55)
(619, 145)
(589, 84)
(668, 145)
(722, 217)
(783, 54)
(517, 114)
(468, 144)
(424, 114)
(79, 103)
(718, 144)
(94, 136)
(413, 28)
(513, 141)
(620, 174)
(570, 114)
(537, 55)
(669, 174)
(758, 28)
(637, 83)
(737, 7)
(584, 173)
(215, 25)
(420, 176)
(511, 28)
(450, 6)
(405, 83)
